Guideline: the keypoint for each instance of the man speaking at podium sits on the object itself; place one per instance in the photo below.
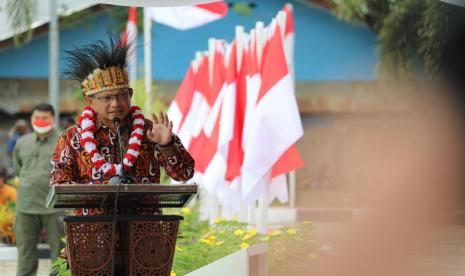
(90, 153)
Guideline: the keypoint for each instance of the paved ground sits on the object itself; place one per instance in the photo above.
(444, 259)
(8, 268)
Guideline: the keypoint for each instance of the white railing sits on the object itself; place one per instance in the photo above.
(246, 262)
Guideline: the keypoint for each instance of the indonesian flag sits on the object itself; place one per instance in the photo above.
(236, 152)
(180, 106)
(243, 108)
(222, 121)
(204, 142)
(130, 33)
(188, 17)
(289, 37)
(275, 125)
(130, 36)
(290, 160)
(196, 106)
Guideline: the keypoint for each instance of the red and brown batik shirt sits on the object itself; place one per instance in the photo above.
(72, 164)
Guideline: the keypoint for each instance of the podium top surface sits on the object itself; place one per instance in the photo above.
(129, 195)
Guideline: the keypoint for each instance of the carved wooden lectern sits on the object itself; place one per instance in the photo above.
(145, 243)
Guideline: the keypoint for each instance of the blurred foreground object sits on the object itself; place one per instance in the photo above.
(412, 192)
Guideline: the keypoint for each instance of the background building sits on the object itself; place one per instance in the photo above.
(335, 69)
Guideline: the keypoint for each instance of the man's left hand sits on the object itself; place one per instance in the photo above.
(162, 129)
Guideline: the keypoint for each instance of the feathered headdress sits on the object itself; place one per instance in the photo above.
(99, 66)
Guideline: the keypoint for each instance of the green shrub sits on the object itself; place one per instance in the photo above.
(199, 243)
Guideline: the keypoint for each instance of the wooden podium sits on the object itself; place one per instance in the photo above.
(145, 243)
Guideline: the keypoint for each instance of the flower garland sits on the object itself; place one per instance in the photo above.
(86, 138)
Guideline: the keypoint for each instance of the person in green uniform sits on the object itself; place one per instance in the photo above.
(32, 164)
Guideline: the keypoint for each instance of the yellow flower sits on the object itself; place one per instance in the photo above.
(179, 249)
(186, 211)
(220, 243)
(211, 240)
(207, 241)
(234, 219)
(172, 273)
(244, 245)
(239, 232)
(312, 256)
(291, 231)
(252, 232)
(276, 232)
(266, 238)
(217, 221)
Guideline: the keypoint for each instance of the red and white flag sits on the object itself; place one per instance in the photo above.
(130, 33)
(290, 160)
(235, 155)
(222, 120)
(276, 123)
(198, 107)
(204, 144)
(180, 106)
(188, 17)
(130, 36)
(289, 38)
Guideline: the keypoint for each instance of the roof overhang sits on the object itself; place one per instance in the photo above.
(460, 3)
(42, 15)
(156, 3)
(68, 7)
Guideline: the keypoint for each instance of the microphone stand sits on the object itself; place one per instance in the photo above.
(118, 180)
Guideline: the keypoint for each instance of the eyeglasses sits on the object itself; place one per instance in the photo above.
(118, 97)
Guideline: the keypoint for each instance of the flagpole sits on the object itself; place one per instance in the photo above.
(213, 201)
(259, 31)
(211, 58)
(147, 59)
(246, 210)
(133, 59)
(53, 84)
(290, 62)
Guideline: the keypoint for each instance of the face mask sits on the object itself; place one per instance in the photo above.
(42, 126)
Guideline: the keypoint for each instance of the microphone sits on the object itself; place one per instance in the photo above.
(120, 179)
(116, 122)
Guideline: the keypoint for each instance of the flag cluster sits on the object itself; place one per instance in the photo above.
(237, 115)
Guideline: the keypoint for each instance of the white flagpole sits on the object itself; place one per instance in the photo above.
(133, 61)
(239, 46)
(253, 215)
(290, 62)
(262, 215)
(227, 212)
(148, 59)
(213, 203)
(53, 84)
(246, 212)
(211, 58)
